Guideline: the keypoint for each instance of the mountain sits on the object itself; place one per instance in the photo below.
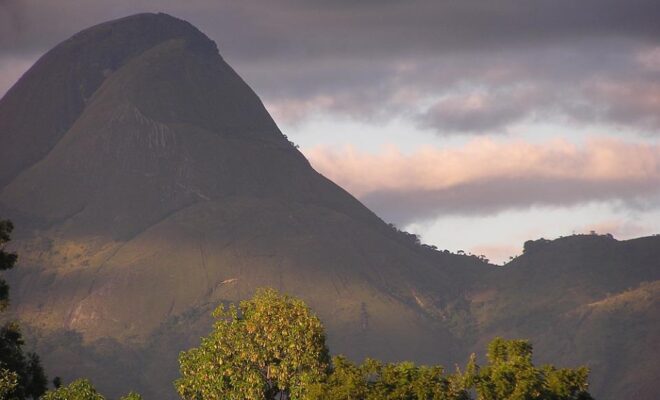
(149, 184)
(154, 185)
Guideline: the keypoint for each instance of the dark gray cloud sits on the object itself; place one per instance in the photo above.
(316, 27)
(496, 195)
(484, 111)
(375, 59)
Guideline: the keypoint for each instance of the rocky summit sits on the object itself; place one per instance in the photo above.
(149, 184)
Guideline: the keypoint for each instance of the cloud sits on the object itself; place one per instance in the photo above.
(635, 103)
(483, 111)
(419, 59)
(486, 176)
(386, 59)
(492, 108)
(297, 27)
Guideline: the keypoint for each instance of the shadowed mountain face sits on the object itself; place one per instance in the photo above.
(149, 184)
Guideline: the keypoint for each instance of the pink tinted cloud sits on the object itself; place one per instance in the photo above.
(620, 229)
(497, 253)
(487, 176)
(599, 160)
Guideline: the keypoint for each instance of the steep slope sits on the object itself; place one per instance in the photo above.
(157, 186)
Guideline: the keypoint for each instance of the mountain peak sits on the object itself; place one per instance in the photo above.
(68, 75)
(140, 29)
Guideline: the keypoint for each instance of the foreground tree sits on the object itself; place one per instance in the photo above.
(511, 375)
(347, 381)
(270, 347)
(374, 380)
(22, 376)
(81, 389)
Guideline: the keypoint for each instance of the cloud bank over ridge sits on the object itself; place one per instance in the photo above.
(487, 176)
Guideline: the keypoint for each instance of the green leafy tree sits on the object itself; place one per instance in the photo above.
(374, 380)
(80, 389)
(31, 381)
(270, 347)
(566, 383)
(511, 375)
(346, 382)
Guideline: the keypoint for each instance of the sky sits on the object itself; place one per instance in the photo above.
(477, 125)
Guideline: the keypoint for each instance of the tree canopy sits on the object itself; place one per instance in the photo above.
(270, 347)
(374, 380)
(82, 389)
(511, 375)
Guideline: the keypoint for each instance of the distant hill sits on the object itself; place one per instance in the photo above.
(586, 299)
(149, 184)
